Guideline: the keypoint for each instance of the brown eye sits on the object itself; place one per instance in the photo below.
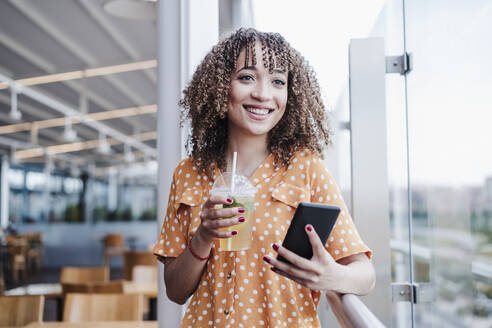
(246, 78)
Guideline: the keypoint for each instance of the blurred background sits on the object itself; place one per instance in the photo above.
(81, 147)
(78, 136)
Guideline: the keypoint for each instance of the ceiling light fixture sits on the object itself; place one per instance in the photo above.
(103, 147)
(128, 155)
(69, 134)
(15, 113)
(132, 9)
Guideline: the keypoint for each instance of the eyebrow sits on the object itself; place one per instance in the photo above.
(276, 70)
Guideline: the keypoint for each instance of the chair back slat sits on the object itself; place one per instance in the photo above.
(103, 307)
(84, 274)
(134, 258)
(114, 240)
(98, 287)
(17, 311)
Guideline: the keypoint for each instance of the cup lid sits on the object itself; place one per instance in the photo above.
(241, 184)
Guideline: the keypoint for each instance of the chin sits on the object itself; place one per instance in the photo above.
(259, 131)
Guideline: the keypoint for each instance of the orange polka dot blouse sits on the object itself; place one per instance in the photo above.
(238, 289)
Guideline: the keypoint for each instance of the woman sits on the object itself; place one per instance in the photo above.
(255, 95)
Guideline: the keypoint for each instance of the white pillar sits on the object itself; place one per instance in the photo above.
(187, 31)
(4, 193)
(112, 189)
(169, 138)
(88, 209)
(370, 207)
(48, 169)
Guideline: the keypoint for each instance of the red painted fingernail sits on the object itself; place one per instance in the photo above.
(241, 210)
(309, 228)
(275, 247)
(266, 259)
(241, 219)
(273, 269)
(229, 200)
(234, 232)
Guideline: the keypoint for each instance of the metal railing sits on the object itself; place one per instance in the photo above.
(351, 312)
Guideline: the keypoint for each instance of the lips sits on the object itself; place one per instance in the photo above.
(257, 112)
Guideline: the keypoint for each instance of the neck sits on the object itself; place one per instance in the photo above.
(251, 151)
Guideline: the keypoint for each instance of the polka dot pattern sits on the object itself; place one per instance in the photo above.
(238, 289)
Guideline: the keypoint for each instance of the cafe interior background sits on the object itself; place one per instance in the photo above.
(86, 112)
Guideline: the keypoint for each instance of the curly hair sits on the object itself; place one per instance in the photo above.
(304, 124)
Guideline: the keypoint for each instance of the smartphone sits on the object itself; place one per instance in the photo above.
(321, 216)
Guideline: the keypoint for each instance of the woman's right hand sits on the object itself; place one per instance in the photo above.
(213, 219)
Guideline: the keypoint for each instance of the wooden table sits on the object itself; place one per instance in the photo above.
(55, 290)
(48, 290)
(148, 290)
(103, 324)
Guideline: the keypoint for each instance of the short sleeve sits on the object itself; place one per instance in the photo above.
(344, 240)
(172, 236)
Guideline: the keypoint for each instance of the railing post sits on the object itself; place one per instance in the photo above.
(370, 197)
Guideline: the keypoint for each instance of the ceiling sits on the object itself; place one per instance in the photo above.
(54, 36)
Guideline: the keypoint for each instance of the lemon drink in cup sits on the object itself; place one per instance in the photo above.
(242, 193)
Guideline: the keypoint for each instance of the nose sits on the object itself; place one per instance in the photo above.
(262, 91)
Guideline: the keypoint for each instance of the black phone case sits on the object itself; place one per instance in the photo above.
(321, 216)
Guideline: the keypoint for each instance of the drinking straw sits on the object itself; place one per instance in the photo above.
(234, 162)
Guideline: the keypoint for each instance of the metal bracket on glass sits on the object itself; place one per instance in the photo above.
(415, 293)
(399, 64)
(344, 125)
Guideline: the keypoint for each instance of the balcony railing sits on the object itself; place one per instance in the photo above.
(351, 312)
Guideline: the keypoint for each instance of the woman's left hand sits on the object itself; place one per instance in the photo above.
(322, 272)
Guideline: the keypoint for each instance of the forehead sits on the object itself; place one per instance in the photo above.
(257, 54)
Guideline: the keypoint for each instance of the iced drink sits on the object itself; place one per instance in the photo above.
(243, 196)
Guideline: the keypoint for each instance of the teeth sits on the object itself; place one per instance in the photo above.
(259, 111)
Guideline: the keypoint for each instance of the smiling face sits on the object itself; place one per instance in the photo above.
(257, 98)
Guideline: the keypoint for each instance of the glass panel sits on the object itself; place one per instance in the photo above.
(391, 28)
(35, 180)
(16, 200)
(450, 139)
(72, 185)
(16, 178)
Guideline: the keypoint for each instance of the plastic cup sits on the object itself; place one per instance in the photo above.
(243, 196)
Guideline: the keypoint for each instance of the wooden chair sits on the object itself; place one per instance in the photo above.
(17, 247)
(134, 258)
(2, 278)
(74, 279)
(18, 311)
(99, 287)
(83, 274)
(35, 252)
(2, 281)
(103, 307)
(114, 245)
